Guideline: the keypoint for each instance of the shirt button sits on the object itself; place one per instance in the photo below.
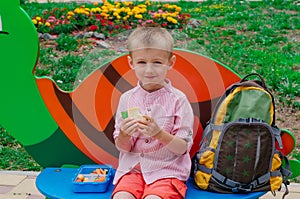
(147, 141)
(142, 155)
(148, 109)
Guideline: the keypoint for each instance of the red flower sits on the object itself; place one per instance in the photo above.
(93, 28)
(164, 24)
(97, 16)
(128, 27)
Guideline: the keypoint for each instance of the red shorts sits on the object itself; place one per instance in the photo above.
(166, 188)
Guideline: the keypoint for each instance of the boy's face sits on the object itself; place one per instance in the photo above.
(151, 66)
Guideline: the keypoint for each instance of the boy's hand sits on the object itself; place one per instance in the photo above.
(148, 126)
(128, 126)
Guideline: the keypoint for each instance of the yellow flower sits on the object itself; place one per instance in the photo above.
(148, 3)
(157, 15)
(138, 16)
(70, 13)
(172, 14)
(38, 18)
(172, 20)
(178, 9)
(40, 23)
(95, 4)
(47, 24)
(34, 21)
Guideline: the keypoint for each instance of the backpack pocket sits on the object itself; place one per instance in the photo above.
(205, 161)
(245, 151)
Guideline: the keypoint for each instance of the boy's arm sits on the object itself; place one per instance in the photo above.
(175, 144)
(122, 142)
(127, 127)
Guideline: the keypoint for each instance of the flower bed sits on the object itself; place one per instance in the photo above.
(111, 18)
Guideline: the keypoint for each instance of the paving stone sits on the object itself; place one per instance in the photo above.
(36, 197)
(25, 189)
(294, 187)
(11, 179)
(5, 189)
(279, 194)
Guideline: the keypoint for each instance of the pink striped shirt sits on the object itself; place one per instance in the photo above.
(171, 111)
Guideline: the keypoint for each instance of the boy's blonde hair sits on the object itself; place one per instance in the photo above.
(150, 37)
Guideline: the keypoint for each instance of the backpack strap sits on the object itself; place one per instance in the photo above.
(262, 81)
(236, 186)
(276, 133)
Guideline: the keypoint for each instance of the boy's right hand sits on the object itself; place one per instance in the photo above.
(128, 126)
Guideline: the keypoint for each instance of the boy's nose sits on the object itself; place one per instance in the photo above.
(149, 67)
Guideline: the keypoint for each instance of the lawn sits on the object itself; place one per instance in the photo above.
(260, 37)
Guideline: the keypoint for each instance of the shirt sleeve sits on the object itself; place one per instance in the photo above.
(118, 117)
(184, 121)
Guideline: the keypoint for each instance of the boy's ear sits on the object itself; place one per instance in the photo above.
(172, 61)
(130, 62)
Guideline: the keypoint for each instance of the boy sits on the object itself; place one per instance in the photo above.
(154, 145)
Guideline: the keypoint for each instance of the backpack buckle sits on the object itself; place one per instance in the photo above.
(241, 189)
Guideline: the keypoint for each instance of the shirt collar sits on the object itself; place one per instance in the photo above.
(166, 88)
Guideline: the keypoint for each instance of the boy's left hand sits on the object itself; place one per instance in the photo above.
(148, 126)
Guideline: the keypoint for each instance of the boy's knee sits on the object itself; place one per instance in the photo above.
(152, 197)
(123, 195)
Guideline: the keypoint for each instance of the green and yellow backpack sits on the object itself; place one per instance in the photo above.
(237, 152)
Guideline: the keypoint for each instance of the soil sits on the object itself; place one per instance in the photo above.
(289, 118)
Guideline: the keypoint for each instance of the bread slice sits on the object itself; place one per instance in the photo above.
(133, 112)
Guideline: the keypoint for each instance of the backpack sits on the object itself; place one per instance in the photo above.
(237, 153)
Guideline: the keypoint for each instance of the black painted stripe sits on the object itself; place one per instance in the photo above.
(115, 78)
(98, 137)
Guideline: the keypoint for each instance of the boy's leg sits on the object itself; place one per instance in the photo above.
(131, 184)
(123, 195)
(169, 188)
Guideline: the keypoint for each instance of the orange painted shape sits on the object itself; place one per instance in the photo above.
(105, 108)
(57, 111)
(84, 98)
(288, 142)
(212, 78)
(98, 155)
(68, 127)
(122, 67)
(198, 132)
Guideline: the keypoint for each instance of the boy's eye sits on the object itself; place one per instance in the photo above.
(141, 62)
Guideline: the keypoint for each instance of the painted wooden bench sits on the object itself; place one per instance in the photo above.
(56, 183)
(57, 127)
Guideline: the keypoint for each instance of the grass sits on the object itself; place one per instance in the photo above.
(252, 36)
